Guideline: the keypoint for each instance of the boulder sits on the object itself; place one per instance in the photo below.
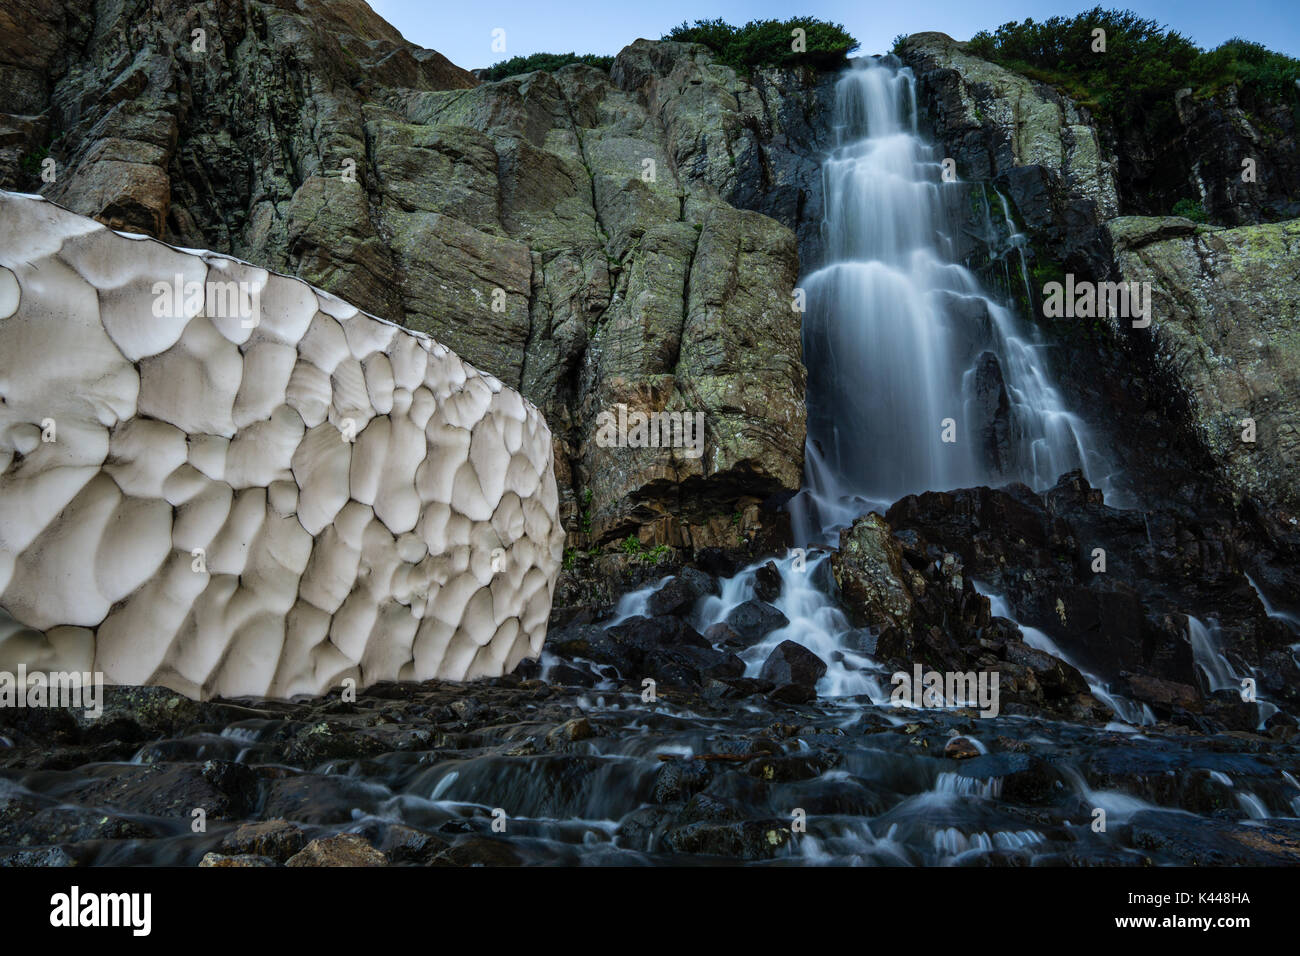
(753, 620)
(345, 849)
(795, 671)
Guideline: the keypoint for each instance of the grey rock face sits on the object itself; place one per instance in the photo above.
(593, 240)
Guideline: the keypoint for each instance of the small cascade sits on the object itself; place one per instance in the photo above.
(1216, 670)
(816, 622)
(635, 603)
(1291, 620)
(1128, 711)
(1208, 656)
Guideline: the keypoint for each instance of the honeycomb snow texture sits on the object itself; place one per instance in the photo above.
(222, 480)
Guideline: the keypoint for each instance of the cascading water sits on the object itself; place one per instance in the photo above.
(898, 338)
(901, 342)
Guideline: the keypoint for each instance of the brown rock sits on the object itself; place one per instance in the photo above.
(277, 839)
(345, 849)
(960, 748)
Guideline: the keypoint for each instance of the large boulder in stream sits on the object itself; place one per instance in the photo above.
(925, 610)
(1115, 590)
(795, 671)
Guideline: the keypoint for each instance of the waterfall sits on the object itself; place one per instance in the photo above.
(899, 337)
(904, 348)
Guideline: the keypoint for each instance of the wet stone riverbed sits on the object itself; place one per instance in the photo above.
(513, 771)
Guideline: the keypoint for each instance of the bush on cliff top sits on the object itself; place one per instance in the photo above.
(549, 62)
(768, 42)
(1134, 81)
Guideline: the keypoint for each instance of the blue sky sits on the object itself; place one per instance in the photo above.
(462, 31)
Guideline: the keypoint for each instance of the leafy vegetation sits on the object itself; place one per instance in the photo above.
(549, 62)
(1133, 83)
(635, 550)
(1190, 209)
(573, 555)
(770, 42)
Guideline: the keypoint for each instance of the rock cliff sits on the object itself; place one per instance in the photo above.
(594, 240)
(1219, 348)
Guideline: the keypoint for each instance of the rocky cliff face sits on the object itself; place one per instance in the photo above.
(1025, 138)
(1191, 370)
(1229, 324)
(594, 240)
(1206, 162)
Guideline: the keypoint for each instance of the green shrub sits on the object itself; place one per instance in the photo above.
(762, 43)
(1190, 209)
(549, 62)
(1132, 84)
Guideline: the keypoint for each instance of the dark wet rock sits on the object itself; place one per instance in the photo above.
(665, 649)
(310, 798)
(678, 780)
(754, 620)
(718, 562)
(747, 840)
(40, 723)
(1201, 841)
(992, 421)
(478, 851)
(735, 688)
(767, 582)
(139, 713)
(706, 807)
(861, 640)
(277, 839)
(870, 573)
(47, 856)
(959, 748)
(641, 829)
(328, 740)
(26, 822)
(1228, 709)
(783, 768)
(795, 671)
(579, 728)
(344, 849)
(235, 860)
(565, 673)
(1055, 676)
(223, 790)
(1163, 696)
(723, 633)
(677, 596)
(403, 844)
